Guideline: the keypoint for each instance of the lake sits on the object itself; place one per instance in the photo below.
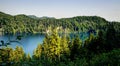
(29, 42)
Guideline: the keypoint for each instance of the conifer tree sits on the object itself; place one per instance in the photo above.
(38, 51)
(18, 54)
(51, 46)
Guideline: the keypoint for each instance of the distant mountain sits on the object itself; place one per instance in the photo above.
(33, 16)
(45, 17)
(22, 17)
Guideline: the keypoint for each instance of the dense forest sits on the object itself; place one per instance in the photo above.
(102, 49)
(27, 24)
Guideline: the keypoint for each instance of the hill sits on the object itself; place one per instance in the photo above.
(32, 24)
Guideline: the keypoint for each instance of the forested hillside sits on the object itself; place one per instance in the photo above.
(27, 24)
(102, 49)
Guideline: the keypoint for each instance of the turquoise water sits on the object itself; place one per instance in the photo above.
(29, 42)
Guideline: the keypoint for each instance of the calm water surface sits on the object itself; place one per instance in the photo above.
(28, 42)
(31, 41)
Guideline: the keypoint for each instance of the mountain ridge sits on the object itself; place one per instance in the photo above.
(44, 17)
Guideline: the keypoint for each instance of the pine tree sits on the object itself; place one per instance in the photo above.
(38, 51)
(51, 46)
(64, 46)
(18, 54)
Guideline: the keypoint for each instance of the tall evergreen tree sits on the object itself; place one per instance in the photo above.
(51, 46)
(37, 52)
(18, 54)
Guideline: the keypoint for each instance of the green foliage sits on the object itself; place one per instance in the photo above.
(38, 51)
(51, 46)
(19, 53)
(100, 49)
(28, 57)
(111, 58)
(25, 24)
(75, 49)
(8, 55)
(57, 51)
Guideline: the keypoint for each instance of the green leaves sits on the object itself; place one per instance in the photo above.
(26, 24)
(51, 46)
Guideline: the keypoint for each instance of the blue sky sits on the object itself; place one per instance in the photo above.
(108, 9)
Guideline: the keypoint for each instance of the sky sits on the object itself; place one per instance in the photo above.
(108, 9)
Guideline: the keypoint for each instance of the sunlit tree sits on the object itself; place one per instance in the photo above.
(38, 51)
(64, 46)
(51, 46)
(18, 54)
